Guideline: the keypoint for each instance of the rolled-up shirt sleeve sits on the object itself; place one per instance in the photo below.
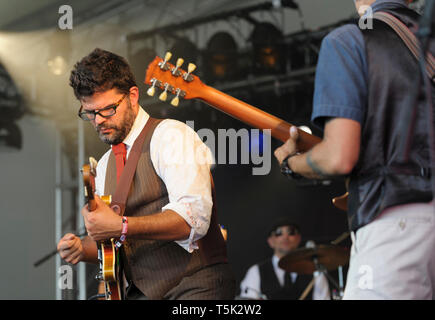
(340, 88)
(182, 161)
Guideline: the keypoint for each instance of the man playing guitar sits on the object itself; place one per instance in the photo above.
(173, 246)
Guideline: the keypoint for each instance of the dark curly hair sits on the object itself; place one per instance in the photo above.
(101, 71)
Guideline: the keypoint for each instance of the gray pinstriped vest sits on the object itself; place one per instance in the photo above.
(156, 266)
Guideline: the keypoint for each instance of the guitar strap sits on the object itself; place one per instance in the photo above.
(119, 198)
(409, 39)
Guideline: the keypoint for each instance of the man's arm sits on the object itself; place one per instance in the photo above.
(166, 225)
(340, 95)
(186, 217)
(73, 249)
(103, 223)
(335, 155)
(90, 249)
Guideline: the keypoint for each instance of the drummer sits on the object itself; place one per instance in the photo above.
(266, 280)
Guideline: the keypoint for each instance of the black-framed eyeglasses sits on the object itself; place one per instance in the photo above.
(290, 231)
(105, 112)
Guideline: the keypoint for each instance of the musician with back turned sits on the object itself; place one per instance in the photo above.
(364, 80)
(174, 247)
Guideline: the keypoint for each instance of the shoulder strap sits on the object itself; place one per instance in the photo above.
(119, 199)
(409, 39)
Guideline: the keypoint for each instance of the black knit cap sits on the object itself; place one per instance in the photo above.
(283, 222)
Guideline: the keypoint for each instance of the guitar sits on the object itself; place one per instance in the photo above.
(172, 79)
(108, 255)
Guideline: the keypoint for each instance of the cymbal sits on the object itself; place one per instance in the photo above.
(301, 260)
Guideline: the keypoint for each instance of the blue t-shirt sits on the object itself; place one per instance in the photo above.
(340, 88)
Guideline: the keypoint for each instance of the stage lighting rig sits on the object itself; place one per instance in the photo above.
(185, 48)
(220, 58)
(60, 49)
(139, 61)
(10, 137)
(11, 106)
(268, 49)
(11, 109)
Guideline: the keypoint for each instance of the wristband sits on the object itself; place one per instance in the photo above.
(123, 232)
(285, 169)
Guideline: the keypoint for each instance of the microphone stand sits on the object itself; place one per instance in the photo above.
(320, 268)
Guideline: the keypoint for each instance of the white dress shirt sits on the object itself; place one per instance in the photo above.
(250, 287)
(182, 161)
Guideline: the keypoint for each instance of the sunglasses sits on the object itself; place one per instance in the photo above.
(289, 230)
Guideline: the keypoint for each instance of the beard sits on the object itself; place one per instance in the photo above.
(119, 131)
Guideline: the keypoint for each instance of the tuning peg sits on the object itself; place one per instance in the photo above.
(152, 90)
(175, 101)
(164, 65)
(164, 95)
(93, 162)
(168, 56)
(179, 63)
(190, 68)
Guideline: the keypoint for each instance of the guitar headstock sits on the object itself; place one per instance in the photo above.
(89, 172)
(172, 79)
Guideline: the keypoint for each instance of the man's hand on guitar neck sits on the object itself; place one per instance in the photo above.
(289, 148)
(335, 155)
(102, 223)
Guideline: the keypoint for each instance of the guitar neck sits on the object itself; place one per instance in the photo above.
(255, 117)
(92, 205)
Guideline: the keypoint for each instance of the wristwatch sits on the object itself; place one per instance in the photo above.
(285, 169)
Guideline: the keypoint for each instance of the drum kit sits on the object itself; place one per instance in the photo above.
(319, 258)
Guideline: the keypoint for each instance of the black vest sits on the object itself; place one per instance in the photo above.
(271, 287)
(381, 178)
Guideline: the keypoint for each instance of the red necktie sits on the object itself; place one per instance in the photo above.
(120, 152)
